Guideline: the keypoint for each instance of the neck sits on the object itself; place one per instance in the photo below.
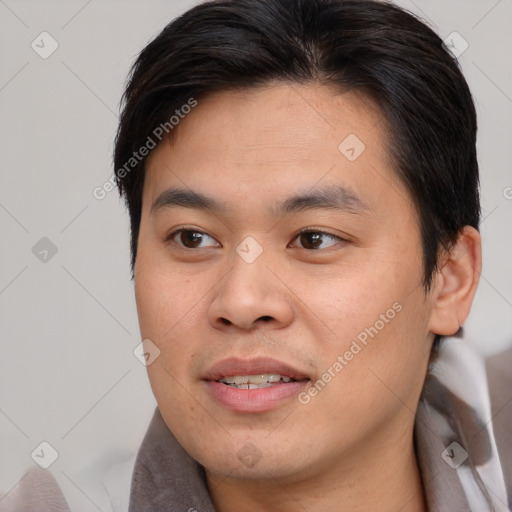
(382, 477)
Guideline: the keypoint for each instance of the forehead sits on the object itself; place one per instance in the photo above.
(261, 142)
(305, 118)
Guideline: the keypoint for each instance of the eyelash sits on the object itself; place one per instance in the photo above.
(170, 237)
(308, 230)
(320, 232)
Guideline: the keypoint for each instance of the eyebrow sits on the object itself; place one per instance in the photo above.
(186, 198)
(337, 197)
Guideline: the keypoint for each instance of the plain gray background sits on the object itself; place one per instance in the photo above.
(68, 375)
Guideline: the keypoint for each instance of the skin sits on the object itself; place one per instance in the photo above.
(352, 444)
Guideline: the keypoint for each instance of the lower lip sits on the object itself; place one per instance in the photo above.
(254, 400)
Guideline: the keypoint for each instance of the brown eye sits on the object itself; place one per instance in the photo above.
(317, 240)
(192, 239)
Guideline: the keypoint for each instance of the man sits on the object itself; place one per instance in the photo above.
(302, 184)
(302, 236)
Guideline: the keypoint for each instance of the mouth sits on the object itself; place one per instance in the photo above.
(255, 385)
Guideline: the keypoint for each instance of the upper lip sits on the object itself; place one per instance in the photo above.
(255, 366)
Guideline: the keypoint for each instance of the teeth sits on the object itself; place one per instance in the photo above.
(261, 379)
(254, 381)
(258, 386)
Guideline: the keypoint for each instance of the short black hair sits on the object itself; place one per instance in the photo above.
(373, 47)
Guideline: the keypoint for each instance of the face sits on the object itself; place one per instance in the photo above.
(279, 273)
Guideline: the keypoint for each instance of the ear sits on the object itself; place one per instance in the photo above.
(454, 285)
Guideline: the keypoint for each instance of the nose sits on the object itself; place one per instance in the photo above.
(249, 297)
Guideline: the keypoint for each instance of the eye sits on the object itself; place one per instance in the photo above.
(192, 239)
(310, 239)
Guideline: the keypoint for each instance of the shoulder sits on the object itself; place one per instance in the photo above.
(37, 490)
(40, 489)
(499, 378)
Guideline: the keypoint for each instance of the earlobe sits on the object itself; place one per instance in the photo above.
(454, 285)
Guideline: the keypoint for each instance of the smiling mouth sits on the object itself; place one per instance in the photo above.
(255, 381)
(255, 385)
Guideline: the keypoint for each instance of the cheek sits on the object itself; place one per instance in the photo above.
(167, 301)
(382, 365)
(347, 301)
(370, 314)
(168, 310)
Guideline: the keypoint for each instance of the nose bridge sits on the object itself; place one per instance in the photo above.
(248, 271)
(248, 264)
(250, 292)
(246, 283)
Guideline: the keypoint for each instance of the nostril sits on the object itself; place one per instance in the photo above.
(225, 321)
(265, 318)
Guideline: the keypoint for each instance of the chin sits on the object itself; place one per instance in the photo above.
(251, 457)
(264, 469)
